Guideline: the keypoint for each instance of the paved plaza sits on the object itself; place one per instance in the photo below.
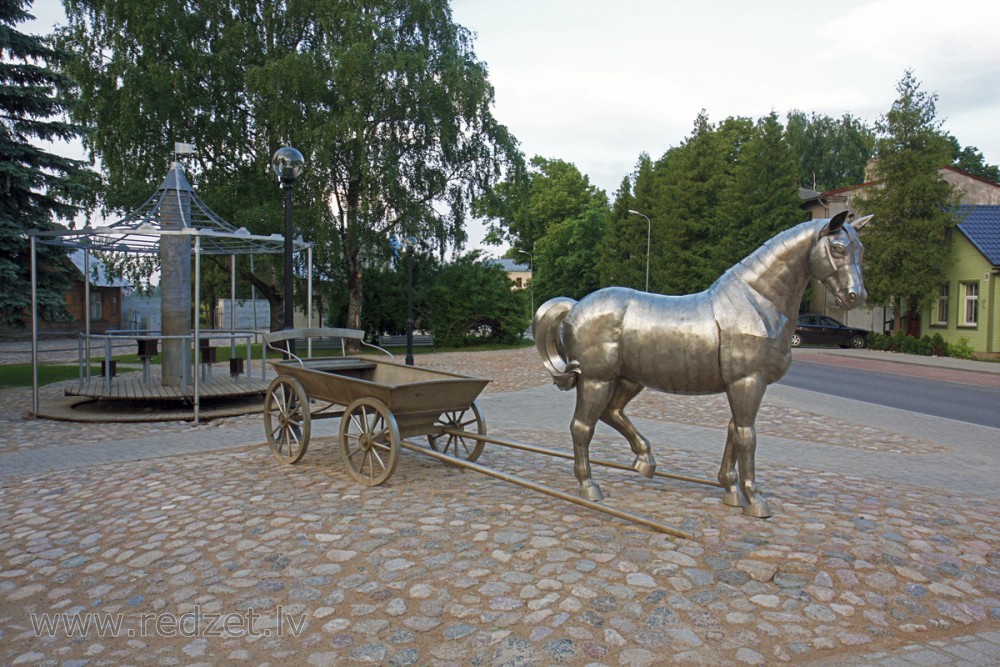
(165, 543)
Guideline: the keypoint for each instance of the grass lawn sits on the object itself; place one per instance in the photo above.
(19, 375)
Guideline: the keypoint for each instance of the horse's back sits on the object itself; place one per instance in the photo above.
(671, 343)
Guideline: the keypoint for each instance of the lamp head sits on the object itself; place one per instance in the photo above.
(287, 164)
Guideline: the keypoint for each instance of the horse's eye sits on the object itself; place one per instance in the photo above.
(839, 249)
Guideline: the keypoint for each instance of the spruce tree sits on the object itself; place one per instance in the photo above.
(763, 194)
(37, 187)
(906, 245)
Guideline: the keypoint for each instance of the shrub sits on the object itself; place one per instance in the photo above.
(897, 340)
(877, 341)
(924, 346)
(939, 348)
(961, 349)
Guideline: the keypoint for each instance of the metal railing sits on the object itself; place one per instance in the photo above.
(106, 340)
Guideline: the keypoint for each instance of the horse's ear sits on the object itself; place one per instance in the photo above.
(834, 224)
(858, 223)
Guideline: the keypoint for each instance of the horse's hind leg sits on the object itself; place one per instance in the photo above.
(591, 400)
(744, 396)
(614, 416)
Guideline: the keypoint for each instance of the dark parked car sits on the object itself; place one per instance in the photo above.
(822, 330)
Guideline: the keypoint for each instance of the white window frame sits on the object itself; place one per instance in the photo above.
(970, 308)
(941, 316)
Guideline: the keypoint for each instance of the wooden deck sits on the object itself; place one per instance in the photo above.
(130, 387)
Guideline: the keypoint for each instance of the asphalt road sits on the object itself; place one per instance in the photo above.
(962, 402)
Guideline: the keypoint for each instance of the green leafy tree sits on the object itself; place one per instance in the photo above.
(552, 191)
(385, 99)
(906, 246)
(831, 153)
(37, 188)
(971, 160)
(471, 301)
(568, 257)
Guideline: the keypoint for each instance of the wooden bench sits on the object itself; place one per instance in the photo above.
(399, 340)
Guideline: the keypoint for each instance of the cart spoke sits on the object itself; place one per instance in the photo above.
(376, 457)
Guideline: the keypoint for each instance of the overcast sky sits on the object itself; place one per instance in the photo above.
(596, 83)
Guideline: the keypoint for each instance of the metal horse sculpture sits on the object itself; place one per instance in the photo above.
(735, 337)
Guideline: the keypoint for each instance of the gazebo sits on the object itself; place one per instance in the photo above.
(177, 225)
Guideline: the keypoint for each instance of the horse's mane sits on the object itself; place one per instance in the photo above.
(766, 255)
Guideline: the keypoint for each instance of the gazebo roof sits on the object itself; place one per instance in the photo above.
(140, 230)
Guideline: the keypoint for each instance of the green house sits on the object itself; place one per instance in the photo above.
(967, 305)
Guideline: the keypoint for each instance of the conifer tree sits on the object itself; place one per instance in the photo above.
(37, 187)
(763, 194)
(906, 246)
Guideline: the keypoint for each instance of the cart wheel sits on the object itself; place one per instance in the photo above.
(369, 441)
(286, 419)
(461, 447)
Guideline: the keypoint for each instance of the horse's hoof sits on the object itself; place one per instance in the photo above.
(732, 499)
(592, 493)
(643, 468)
(757, 510)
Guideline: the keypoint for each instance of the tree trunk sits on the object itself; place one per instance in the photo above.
(352, 256)
(274, 302)
(897, 314)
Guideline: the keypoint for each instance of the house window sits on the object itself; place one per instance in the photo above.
(971, 305)
(942, 306)
(96, 308)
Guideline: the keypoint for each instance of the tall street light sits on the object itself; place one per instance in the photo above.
(649, 229)
(531, 280)
(287, 164)
(410, 243)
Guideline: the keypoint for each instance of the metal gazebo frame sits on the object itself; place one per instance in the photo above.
(140, 232)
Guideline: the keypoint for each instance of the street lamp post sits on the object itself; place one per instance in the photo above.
(649, 229)
(287, 164)
(410, 243)
(531, 280)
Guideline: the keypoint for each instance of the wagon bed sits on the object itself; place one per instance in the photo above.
(416, 396)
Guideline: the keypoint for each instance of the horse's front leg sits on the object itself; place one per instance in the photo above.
(615, 417)
(591, 400)
(745, 396)
(727, 471)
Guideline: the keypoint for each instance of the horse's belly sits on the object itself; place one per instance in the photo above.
(672, 344)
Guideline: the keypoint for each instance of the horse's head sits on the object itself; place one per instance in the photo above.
(835, 260)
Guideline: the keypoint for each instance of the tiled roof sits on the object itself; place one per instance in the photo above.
(981, 225)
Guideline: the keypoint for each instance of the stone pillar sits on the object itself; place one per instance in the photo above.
(175, 278)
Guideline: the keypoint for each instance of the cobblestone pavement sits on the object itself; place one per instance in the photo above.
(866, 561)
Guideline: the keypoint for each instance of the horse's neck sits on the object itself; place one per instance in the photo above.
(779, 270)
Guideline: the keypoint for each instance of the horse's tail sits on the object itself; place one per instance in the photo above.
(545, 328)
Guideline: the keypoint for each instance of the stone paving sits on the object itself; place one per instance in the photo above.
(227, 557)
